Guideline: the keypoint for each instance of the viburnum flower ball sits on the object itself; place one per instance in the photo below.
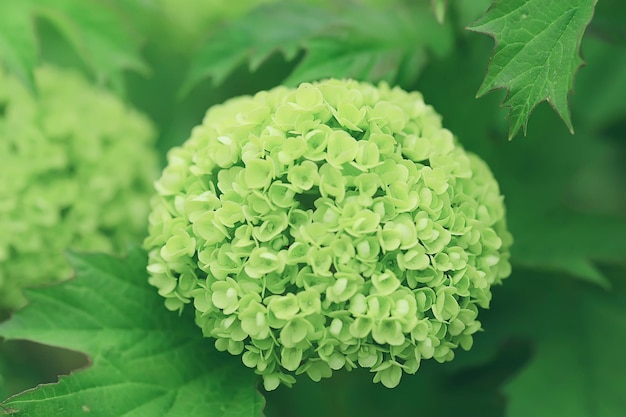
(334, 225)
(76, 172)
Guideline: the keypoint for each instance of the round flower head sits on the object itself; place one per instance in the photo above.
(76, 172)
(336, 225)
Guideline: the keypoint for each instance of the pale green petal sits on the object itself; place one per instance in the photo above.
(331, 226)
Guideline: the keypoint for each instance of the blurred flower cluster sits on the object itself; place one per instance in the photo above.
(76, 171)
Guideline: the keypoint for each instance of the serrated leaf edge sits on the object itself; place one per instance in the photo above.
(482, 91)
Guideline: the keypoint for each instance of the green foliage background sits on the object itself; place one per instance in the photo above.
(555, 334)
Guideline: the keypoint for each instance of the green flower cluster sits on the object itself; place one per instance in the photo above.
(76, 171)
(330, 226)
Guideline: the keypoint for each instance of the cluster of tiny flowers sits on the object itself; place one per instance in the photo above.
(76, 172)
(336, 225)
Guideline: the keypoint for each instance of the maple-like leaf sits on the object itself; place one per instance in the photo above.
(536, 54)
(254, 37)
(564, 196)
(146, 361)
(101, 37)
(391, 46)
(362, 42)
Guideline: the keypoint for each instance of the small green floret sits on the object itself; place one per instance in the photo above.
(76, 172)
(331, 226)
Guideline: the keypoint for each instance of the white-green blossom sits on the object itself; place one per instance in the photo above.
(330, 226)
(76, 168)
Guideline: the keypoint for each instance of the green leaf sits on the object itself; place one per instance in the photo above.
(362, 42)
(146, 361)
(599, 98)
(100, 36)
(564, 196)
(18, 45)
(274, 27)
(578, 332)
(371, 46)
(553, 230)
(432, 391)
(536, 53)
(572, 243)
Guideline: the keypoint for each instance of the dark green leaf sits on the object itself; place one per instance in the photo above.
(362, 42)
(432, 391)
(571, 243)
(553, 229)
(146, 360)
(371, 46)
(274, 27)
(599, 97)
(564, 196)
(578, 332)
(536, 54)
(608, 21)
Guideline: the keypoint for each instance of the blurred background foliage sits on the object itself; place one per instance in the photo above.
(555, 333)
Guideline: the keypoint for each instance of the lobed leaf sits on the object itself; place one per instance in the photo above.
(536, 54)
(361, 42)
(564, 196)
(255, 36)
(390, 46)
(146, 361)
